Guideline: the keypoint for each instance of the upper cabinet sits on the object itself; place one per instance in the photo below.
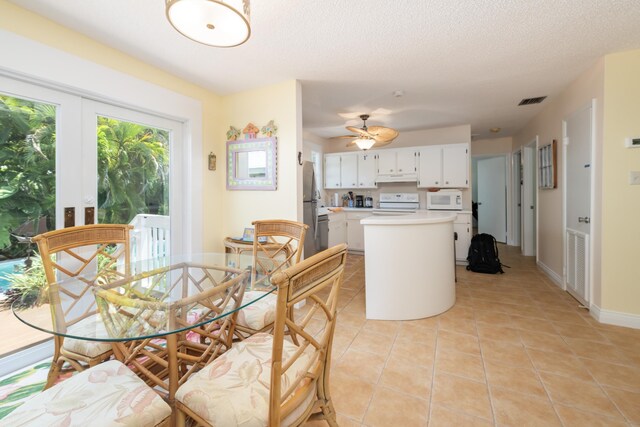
(455, 165)
(341, 170)
(397, 165)
(366, 170)
(444, 166)
(332, 178)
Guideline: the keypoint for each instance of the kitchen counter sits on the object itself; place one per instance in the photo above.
(409, 265)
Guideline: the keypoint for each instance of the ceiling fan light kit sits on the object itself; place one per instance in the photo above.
(218, 23)
(364, 143)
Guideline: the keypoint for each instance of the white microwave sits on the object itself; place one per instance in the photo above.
(445, 200)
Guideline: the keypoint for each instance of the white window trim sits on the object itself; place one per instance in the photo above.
(59, 70)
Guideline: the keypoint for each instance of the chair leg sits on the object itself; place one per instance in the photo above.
(56, 363)
(329, 414)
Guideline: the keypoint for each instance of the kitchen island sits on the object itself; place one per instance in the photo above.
(409, 265)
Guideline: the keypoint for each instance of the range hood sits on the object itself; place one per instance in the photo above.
(400, 177)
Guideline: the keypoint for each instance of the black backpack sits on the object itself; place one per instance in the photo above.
(483, 255)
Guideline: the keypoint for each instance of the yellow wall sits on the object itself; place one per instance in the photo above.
(37, 28)
(547, 125)
(621, 201)
(279, 103)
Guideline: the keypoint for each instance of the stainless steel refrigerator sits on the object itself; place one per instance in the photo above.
(317, 234)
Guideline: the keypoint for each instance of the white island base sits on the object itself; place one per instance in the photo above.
(409, 265)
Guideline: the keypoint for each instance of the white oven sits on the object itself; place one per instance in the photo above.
(446, 200)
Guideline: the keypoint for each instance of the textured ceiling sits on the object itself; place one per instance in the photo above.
(457, 62)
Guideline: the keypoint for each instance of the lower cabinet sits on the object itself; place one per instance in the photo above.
(462, 226)
(355, 230)
(337, 228)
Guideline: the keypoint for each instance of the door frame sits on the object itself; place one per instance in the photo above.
(507, 180)
(516, 198)
(530, 150)
(592, 206)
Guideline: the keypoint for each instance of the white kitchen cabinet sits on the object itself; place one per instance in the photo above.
(349, 170)
(455, 165)
(396, 161)
(444, 166)
(430, 166)
(341, 170)
(332, 171)
(337, 228)
(397, 165)
(355, 230)
(366, 170)
(462, 226)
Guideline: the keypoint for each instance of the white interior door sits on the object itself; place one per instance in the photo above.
(492, 197)
(528, 234)
(516, 176)
(577, 160)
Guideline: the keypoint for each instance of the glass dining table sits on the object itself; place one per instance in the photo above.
(165, 318)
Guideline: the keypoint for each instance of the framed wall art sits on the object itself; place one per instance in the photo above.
(252, 164)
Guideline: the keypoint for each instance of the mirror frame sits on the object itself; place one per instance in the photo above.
(269, 146)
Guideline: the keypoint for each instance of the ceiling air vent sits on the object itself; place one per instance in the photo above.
(529, 101)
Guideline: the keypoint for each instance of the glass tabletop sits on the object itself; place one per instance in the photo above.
(146, 299)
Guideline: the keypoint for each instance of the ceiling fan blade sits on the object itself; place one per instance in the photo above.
(346, 136)
(383, 134)
(381, 144)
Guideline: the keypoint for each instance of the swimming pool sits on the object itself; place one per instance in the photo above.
(8, 267)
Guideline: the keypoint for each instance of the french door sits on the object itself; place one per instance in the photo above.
(66, 160)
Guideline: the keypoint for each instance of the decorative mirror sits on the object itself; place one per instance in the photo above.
(251, 164)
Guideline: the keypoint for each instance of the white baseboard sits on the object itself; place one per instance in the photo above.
(22, 359)
(615, 317)
(555, 278)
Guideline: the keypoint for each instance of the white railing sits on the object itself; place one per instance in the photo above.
(150, 237)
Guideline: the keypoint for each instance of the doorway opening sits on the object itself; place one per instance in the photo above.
(489, 195)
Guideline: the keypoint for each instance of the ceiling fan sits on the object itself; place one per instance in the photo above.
(367, 137)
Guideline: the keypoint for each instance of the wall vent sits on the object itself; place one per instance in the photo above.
(529, 101)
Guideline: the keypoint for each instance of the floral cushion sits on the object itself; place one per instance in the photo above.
(233, 390)
(106, 395)
(90, 326)
(260, 313)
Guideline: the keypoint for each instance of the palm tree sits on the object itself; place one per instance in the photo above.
(133, 170)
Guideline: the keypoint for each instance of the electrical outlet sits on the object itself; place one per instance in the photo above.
(634, 177)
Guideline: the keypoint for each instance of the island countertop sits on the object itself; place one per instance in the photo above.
(419, 217)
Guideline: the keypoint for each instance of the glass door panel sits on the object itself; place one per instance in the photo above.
(29, 161)
(132, 179)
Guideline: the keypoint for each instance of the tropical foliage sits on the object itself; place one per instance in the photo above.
(133, 169)
(27, 165)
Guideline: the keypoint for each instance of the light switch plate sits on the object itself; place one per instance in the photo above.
(634, 177)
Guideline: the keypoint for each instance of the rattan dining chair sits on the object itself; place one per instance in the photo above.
(277, 245)
(105, 395)
(94, 253)
(267, 380)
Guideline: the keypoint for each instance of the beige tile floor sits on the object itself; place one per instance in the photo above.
(514, 351)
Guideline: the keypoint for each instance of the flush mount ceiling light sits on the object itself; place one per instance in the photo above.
(495, 130)
(218, 23)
